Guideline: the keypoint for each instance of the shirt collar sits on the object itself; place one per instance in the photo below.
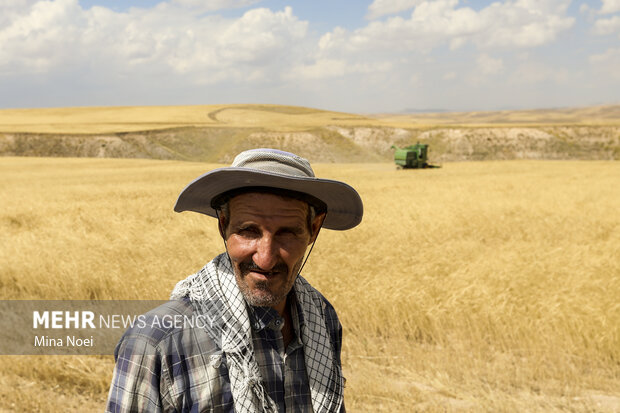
(262, 317)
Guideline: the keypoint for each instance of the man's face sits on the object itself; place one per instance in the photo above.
(267, 236)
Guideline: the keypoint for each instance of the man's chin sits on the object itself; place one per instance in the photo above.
(261, 292)
(262, 299)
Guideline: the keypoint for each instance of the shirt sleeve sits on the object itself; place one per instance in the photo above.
(136, 384)
(337, 351)
(335, 331)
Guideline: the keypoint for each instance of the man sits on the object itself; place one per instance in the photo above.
(268, 340)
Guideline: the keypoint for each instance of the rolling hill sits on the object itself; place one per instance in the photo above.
(215, 133)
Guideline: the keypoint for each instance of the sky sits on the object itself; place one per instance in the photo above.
(347, 55)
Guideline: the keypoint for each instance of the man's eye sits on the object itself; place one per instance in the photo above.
(247, 231)
(288, 232)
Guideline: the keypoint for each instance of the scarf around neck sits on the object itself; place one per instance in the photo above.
(213, 291)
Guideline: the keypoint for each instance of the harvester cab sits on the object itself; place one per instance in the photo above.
(412, 156)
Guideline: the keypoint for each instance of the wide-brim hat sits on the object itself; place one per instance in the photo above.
(271, 168)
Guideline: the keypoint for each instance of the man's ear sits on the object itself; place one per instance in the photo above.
(317, 223)
(221, 225)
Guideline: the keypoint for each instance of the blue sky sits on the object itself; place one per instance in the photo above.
(353, 56)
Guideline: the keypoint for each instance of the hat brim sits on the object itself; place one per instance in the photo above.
(344, 205)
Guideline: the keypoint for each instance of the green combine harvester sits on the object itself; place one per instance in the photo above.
(412, 156)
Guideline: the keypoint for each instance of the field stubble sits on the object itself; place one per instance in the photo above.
(476, 287)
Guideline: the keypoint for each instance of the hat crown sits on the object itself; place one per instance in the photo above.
(274, 161)
(272, 168)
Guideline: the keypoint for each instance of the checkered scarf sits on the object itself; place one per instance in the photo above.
(213, 292)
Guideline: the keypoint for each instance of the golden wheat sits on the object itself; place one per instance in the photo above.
(99, 120)
(475, 287)
(88, 120)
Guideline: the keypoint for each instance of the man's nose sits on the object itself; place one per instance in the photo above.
(266, 255)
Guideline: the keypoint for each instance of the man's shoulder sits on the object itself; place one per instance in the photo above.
(327, 313)
(317, 296)
(173, 327)
(327, 309)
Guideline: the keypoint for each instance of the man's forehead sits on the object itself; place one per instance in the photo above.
(251, 196)
(266, 205)
(224, 198)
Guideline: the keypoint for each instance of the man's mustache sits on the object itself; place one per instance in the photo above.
(246, 267)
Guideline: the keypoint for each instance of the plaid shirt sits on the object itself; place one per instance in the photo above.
(181, 369)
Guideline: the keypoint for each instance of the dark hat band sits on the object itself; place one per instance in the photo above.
(319, 206)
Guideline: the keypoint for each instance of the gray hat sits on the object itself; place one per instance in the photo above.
(258, 169)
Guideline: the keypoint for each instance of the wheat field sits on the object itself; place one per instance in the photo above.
(113, 119)
(480, 286)
(89, 120)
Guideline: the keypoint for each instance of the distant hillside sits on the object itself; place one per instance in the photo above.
(591, 115)
(216, 133)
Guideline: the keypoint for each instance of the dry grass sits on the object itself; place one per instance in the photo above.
(97, 120)
(476, 287)
(588, 115)
(139, 118)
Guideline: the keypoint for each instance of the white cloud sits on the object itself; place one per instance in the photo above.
(610, 6)
(486, 71)
(524, 23)
(430, 24)
(489, 66)
(539, 73)
(15, 5)
(415, 53)
(518, 24)
(329, 68)
(211, 5)
(61, 37)
(380, 8)
(43, 35)
(321, 69)
(607, 26)
(607, 63)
